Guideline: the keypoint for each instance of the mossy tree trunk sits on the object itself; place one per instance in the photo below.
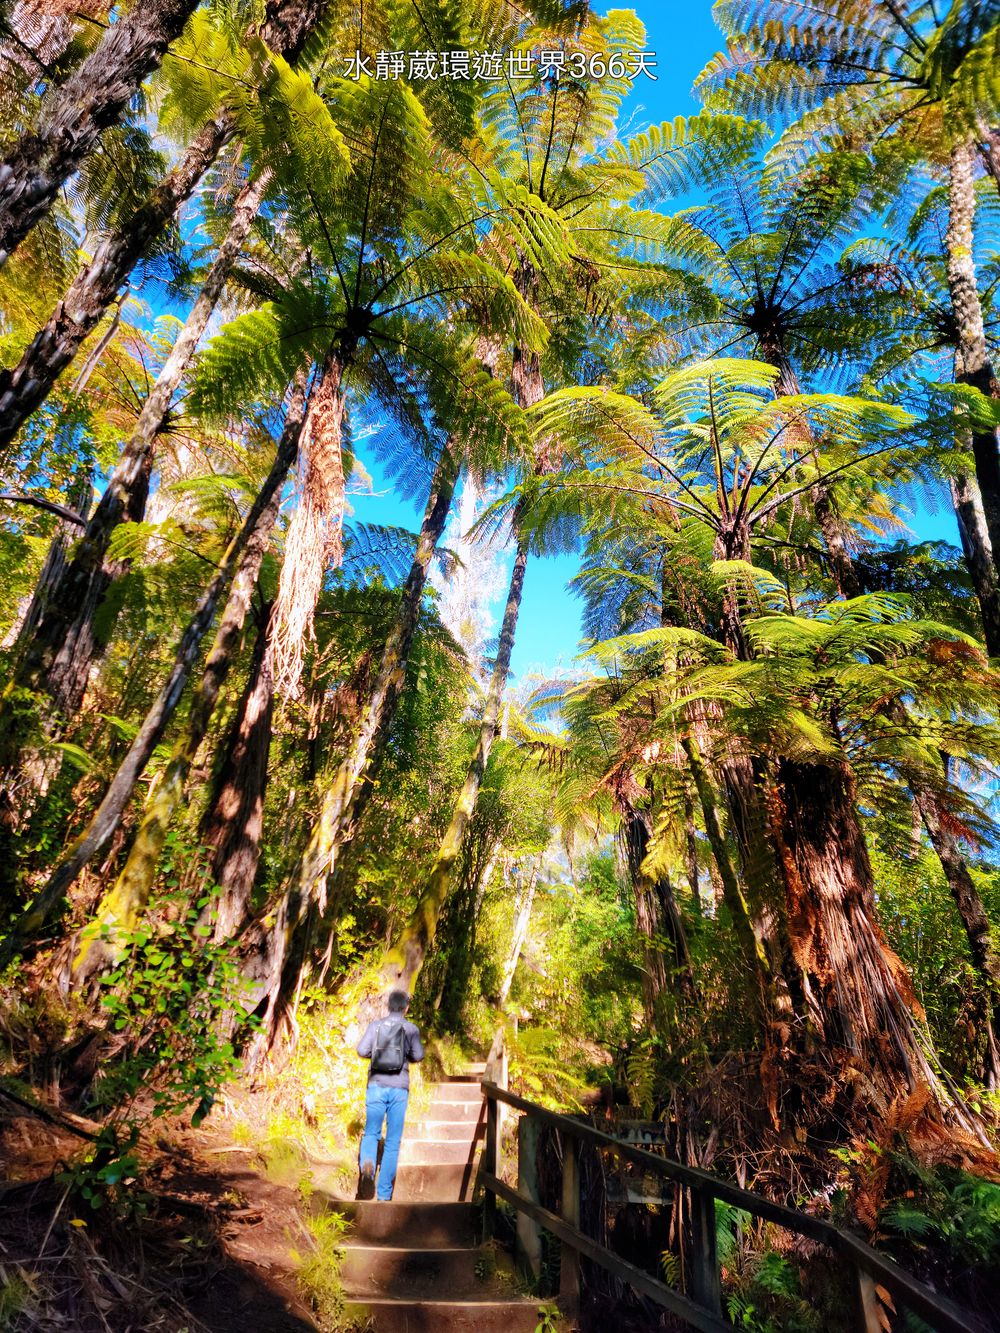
(239, 565)
(234, 820)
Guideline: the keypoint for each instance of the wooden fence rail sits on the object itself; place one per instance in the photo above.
(702, 1307)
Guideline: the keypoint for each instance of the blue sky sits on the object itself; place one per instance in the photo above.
(683, 37)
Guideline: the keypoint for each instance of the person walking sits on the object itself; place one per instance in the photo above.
(390, 1044)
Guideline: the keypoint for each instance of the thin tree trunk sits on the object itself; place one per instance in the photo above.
(406, 957)
(832, 529)
(234, 821)
(54, 567)
(732, 892)
(519, 934)
(267, 949)
(121, 908)
(239, 564)
(657, 917)
(978, 556)
(348, 794)
(974, 919)
(74, 114)
(972, 364)
(97, 284)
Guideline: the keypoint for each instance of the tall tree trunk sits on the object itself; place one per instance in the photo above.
(121, 908)
(96, 285)
(978, 556)
(346, 797)
(66, 646)
(657, 917)
(832, 528)
(984, 956)
(26, 387)
(75, 112)
(239, 564)
(234, 820)
(267, 949)
(518, 936)
(972, 364)
(406, 957)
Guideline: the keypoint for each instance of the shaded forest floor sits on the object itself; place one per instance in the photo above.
(213, 1236)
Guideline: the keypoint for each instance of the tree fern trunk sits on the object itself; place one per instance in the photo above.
(67, 644)
(978, 556)
(74, 114)
(98, 282)
(972, 364)
(239, 564)
(857, 1007)
(265, 949)
(406, 957)
(978, 932)
(234, 821)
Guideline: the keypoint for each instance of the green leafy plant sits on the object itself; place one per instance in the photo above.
(547, 1316)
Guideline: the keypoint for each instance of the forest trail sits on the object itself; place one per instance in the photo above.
(413, 1265)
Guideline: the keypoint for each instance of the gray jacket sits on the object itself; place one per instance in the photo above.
(414, 1051)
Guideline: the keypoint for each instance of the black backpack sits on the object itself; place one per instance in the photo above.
(389, 1047)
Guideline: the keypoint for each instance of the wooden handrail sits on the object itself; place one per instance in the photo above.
(870, 1266)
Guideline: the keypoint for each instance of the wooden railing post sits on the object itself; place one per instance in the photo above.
(529, 1233)
(569, 1259)
(869, 1320)
(490, 1159)
(706, 1284)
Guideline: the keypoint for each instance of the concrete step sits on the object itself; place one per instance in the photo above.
(450, 1108)
(415, 1225)
(388, 1316)
(436, 1150)
(462, 1091)
(410, 1274)
(433, 1183)
(442, 1131)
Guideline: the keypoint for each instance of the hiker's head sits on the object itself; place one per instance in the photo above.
(399, 1002)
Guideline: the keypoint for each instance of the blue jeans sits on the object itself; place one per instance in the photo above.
(388, 1104)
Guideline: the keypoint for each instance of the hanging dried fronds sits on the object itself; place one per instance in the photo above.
(314, 541)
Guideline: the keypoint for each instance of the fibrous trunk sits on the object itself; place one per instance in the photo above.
(74, 114)
(314, 541)
(854, 1000)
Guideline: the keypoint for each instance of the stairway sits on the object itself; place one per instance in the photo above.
(410, 1266)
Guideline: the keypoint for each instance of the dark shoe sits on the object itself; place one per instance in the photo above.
(366, 1182)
